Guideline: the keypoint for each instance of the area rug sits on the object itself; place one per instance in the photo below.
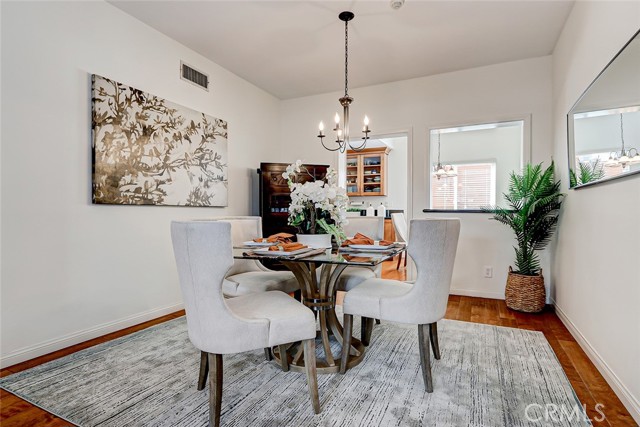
(487, 376)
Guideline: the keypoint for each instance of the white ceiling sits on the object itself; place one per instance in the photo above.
(296, 48)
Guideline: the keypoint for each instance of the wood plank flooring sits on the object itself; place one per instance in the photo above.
(591, 388)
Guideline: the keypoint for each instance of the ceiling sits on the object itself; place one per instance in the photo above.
(296, 48)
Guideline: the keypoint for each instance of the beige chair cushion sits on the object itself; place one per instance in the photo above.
(249, 276)
(289, 320)
(259, 281)
(353, 276)
(375, 298)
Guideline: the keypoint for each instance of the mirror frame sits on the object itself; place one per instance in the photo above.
(570, 136)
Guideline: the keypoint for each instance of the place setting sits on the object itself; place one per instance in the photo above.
(361, 243)
(280, 245)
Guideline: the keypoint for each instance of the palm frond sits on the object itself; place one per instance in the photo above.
(587, 172)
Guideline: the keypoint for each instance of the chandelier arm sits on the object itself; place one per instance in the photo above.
(361, 146)
(330, 149)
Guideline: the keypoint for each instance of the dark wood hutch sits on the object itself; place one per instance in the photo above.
(275, 196)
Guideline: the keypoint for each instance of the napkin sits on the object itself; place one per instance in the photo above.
(287, 247)
(361, 239)
(278, 237)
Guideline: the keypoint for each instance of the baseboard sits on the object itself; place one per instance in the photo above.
(49, 346)
(627, 399)
(474, 293)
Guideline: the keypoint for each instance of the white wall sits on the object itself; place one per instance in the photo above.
(595, 268)
(72, 270)
(494, 93)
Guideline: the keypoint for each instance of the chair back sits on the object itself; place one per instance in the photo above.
(243, 228)
(371, 226)
(432, 246)
(400, 226)
(203, 253)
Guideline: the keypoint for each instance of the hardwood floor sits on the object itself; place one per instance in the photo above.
(590, 386)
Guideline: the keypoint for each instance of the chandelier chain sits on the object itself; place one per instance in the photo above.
(346, 58)
(622, 134)
(342, 131)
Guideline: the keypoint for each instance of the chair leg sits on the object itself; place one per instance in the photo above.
(204, 370)
(366, 327)
(425, 358)
(399, 259)
(312, 377)
(284, 361)
(377, 321)
(433, 336)
(346, 341)
(215, 388)
(405, 258)
(267, 354)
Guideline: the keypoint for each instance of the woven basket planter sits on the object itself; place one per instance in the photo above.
(525, 293)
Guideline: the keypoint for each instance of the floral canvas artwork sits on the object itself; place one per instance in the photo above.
(149, 151)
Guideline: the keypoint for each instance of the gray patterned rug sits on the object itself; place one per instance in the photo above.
(488, 376)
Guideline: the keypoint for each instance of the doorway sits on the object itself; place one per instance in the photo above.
(397, 179)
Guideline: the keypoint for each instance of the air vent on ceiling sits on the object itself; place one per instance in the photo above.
(191, 75)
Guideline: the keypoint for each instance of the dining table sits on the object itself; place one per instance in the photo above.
(317, 272)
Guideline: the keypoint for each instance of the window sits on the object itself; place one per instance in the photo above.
(471, 165)
(474, 187)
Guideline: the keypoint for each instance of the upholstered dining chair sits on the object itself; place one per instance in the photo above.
(400, 227)
(371, 226)
(432, 246)
(250, 276)
(218, 326)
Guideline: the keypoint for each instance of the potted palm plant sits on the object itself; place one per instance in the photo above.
(533, 203)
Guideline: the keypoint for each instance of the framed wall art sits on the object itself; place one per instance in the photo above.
(149, 151)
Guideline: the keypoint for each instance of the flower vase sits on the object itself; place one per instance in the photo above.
(315, 240)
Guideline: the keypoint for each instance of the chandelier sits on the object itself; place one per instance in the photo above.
(440, 170)
(623, 157)
(342, 133)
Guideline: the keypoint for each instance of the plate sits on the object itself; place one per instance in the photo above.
(267, 252)
(252, 243)
(370, 247)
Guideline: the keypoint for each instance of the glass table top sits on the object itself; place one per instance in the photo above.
(320, 256)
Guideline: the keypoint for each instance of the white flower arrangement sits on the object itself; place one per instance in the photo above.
(317, 206)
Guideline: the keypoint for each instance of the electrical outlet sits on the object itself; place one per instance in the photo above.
(488, 271)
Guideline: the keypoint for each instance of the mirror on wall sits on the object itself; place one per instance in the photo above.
(604, 125)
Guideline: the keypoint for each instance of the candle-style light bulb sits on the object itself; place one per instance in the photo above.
(366, 120)
(321, 127)
(336, 118)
